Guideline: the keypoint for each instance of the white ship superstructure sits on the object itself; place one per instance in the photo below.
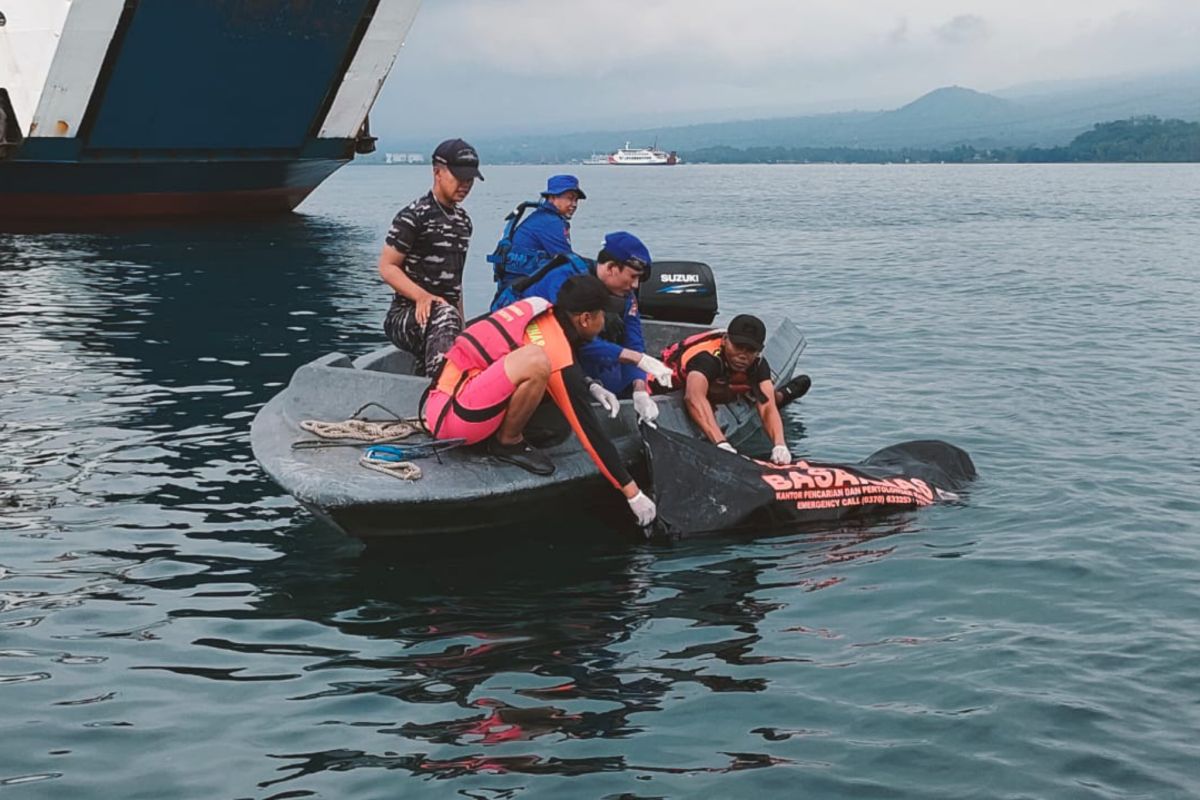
(642, 157)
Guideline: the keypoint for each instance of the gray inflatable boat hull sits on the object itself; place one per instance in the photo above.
(466, 490)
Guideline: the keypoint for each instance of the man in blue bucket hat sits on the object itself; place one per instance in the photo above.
(548, 228)
(530, 242)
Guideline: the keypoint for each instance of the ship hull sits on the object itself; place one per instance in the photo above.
(161, 108)
(37, 190)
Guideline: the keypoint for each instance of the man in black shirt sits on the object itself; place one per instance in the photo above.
(423, 259)
(719, 370)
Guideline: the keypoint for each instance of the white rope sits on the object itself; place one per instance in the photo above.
(361, 430)
(404, 470)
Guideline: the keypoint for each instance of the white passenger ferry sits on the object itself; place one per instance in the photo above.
(642, 157)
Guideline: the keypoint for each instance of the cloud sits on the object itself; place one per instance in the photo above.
(502, 62)
(1157, 35)
(963, 29)
(587, 38)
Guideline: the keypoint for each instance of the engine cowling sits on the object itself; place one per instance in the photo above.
(679, 291)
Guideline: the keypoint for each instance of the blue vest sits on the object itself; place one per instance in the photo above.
(511, 263)
(513, 290)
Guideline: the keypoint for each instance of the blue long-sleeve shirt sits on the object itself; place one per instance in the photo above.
(600, 357)
(545, 230)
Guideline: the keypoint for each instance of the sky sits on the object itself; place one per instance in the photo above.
(489, 67)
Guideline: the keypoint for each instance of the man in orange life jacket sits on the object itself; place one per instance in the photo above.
(499, 368)
(719, 367)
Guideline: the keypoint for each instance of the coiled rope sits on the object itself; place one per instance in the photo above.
(381, 456)
(404, 470)
(357, 430)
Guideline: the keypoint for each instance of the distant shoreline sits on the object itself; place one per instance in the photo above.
(1138, 140)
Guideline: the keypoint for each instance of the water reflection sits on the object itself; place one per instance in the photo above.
(188, 305)
(141, 359)
(490, 646)
(136, 358)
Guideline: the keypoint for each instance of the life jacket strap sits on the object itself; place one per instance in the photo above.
(500, 256)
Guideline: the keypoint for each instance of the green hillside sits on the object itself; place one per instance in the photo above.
(1140, 139)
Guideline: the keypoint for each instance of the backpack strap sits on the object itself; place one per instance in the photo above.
(511, 223)
(525, 281)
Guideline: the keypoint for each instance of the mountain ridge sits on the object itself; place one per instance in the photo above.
(1042, 115)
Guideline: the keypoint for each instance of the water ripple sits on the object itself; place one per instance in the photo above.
(1036, 639)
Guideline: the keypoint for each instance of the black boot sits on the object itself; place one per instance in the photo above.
(794, 389)
(523, 455)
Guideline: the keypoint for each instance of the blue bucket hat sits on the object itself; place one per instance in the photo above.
(563, 183)
(628, 249)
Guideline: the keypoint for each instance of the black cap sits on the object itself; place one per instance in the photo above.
(747, 331)
(460, 158)
(582, 293)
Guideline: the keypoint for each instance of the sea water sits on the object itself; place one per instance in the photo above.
(173, 625)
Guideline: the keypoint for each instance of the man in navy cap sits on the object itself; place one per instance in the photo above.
(616, 357)
(423, 259)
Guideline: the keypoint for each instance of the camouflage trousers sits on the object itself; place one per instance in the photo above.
(428, 342)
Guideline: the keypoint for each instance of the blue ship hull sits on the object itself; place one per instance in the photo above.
(199, 107)
(42, 190)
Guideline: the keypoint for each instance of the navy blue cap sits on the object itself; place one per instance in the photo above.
(627, 249)
(563, 183)
(460, 158)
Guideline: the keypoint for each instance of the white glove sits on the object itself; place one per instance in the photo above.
(727, 447)
(657, 370)
(606, 399)
(780, 454)
(643, 508)
(647, 409)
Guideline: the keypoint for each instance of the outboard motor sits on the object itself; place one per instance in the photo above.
(679, 291)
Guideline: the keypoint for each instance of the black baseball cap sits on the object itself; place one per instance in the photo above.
(746, 330)
(582, 293)
(460, 158)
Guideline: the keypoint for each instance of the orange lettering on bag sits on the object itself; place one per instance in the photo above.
(843, 478)
(801, 480)
(822, 477)
(777, 482)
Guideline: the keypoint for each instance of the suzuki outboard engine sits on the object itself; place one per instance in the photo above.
(679, 291)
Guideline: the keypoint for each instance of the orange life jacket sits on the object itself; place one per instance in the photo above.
(489, 340)
(492, 338)
(678, 355)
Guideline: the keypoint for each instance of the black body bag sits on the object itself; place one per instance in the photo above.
(700, 488)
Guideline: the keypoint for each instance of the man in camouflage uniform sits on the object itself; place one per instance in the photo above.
(423, 260)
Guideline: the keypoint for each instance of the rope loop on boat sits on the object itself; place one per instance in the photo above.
(357, 430)
(404, 470)
(361, 430)
(380, 455)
